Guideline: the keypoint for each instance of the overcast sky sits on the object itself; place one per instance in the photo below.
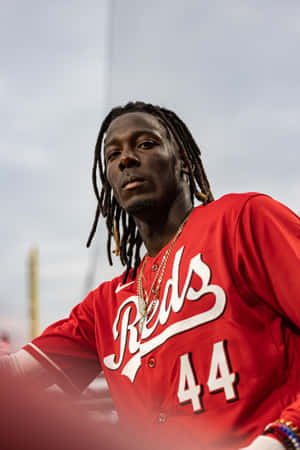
(230, 69)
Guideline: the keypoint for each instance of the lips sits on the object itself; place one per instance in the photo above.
(132, 183)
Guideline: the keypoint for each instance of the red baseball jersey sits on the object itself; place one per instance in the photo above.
(218, 355)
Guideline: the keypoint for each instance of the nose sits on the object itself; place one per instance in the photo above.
(128, 159)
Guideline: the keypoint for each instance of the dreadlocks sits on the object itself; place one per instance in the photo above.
(120, 224)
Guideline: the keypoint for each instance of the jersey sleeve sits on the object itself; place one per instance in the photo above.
(68, 347)
(268, 255)
(267, 239)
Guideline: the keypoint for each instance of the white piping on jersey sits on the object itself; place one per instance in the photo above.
(52, 363)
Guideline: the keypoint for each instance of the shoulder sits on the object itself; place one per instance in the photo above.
(228, 207)
(235, 204)
(237, 201)
(233, 210)
(263, 207)
(108, 287)
(108, 290)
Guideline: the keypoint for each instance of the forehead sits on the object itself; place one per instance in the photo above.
(131, 122)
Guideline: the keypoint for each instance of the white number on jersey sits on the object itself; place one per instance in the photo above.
(220, 376)
(188, 390)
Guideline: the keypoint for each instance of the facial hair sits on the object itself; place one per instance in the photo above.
(141, 207)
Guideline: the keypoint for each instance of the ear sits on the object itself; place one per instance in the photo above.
(184, 168)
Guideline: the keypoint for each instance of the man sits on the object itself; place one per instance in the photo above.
(201, 335)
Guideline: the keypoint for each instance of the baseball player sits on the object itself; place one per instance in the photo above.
(200, 335)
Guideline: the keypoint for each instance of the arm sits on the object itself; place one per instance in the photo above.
(265, 443)
(64, 354)
(22, 365)
(268, 261)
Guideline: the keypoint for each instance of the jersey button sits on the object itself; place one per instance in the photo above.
(162, 418)
(151, 362)
(154, 267)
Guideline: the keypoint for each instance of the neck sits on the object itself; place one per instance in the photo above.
(158, 230)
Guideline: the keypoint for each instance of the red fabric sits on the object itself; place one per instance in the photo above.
(231, 288)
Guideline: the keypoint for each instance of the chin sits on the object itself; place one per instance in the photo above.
(140, 207)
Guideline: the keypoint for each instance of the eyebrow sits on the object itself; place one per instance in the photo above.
(133, 136)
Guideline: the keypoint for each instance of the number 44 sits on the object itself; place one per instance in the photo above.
(220, 378)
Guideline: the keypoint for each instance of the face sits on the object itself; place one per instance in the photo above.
(142, 163)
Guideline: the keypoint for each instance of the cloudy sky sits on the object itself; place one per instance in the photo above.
(229, 69)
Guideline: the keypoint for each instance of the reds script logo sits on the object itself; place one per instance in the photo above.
(129, 333)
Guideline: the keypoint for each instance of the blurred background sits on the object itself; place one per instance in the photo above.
(229, 69)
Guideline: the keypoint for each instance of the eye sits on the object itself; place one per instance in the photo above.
(112, 154)
(146, 144)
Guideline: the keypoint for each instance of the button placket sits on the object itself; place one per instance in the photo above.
(154, 267)
(162, 417)
(151, 362)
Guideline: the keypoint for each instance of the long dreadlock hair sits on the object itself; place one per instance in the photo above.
(120, 224)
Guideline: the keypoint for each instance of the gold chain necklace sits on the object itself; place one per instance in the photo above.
(155, 288)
